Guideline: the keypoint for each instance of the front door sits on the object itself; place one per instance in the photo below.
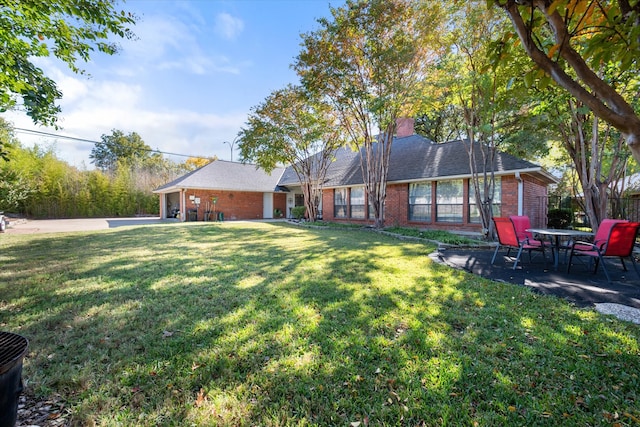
(267, 205)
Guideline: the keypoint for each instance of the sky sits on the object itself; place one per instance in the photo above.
(188, 81)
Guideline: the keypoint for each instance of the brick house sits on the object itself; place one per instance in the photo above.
(428, 187)
(240, 191)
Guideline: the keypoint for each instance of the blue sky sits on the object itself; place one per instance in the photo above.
(188, 82)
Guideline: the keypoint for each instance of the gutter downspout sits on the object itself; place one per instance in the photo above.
(520, 193)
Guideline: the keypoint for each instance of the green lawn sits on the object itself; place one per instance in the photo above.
(275, 325)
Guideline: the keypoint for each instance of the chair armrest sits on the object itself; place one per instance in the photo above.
(582, 246)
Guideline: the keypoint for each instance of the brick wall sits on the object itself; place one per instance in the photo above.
(235, 205)
(397, 205)
(509, 202)
(535, 202)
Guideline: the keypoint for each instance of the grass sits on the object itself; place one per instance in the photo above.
(274, 325)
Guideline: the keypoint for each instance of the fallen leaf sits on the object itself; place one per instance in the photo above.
(200, 398)
(166, 334)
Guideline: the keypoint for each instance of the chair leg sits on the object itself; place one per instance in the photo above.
(604, 267)
(624, 266)
(515, 264)
(570, 259)
(494, 254)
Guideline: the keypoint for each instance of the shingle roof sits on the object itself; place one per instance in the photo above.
(230, 176)
(414, 158)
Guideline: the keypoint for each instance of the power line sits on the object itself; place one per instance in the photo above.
(72, 138)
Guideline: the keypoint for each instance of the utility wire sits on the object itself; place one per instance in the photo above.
(72, 138)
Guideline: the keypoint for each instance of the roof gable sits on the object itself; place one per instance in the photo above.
(225, 175)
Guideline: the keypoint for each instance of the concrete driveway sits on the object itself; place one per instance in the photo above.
(80, 224)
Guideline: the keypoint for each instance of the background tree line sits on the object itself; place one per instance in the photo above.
(35, 183)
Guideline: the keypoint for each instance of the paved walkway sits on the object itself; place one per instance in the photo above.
(23, 226)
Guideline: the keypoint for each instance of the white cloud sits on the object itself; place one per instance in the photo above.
(227, 26)
(109, 104)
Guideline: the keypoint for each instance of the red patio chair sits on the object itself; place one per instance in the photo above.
(619, 243)
(602, 234)
(522, 223)
(508, 237)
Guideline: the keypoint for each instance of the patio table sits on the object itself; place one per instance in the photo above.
(555, 234)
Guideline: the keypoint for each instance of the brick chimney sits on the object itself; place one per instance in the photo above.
(404, 127)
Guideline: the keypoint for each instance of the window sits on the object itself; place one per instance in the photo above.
(449, 201)
(420, 202)
(474, 214)
(340, 202)
(356, 202)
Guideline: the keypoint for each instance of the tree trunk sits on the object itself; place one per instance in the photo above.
(375, 169)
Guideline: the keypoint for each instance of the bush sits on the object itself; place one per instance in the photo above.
(559, 218)
(298, 212)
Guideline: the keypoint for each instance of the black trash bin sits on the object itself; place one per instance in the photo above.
(193, 215)
(12, 350)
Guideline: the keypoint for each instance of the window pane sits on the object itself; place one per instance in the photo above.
(420, 202)
(357, 211)
(357, 196)
(357, 203)
(372, 214)
(340, 202)
(420, 213)
(420, 194)
(474, 214)
(449, 195)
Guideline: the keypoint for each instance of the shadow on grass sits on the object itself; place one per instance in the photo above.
(228, 324)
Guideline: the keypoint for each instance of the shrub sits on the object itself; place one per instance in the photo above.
(559, 218)
(298, 212)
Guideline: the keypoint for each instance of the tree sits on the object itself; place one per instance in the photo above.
(7, 139)
(70, 30)
(573, 41)
(14, 188)
(495, 110)
(289, 127)
(193, 163)
(369, 63)
(120, 148)
(596, 151)
(441, 123)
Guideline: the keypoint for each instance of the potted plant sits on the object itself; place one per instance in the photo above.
(277, 213)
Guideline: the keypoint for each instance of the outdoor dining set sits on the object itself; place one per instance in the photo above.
(613, 238)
